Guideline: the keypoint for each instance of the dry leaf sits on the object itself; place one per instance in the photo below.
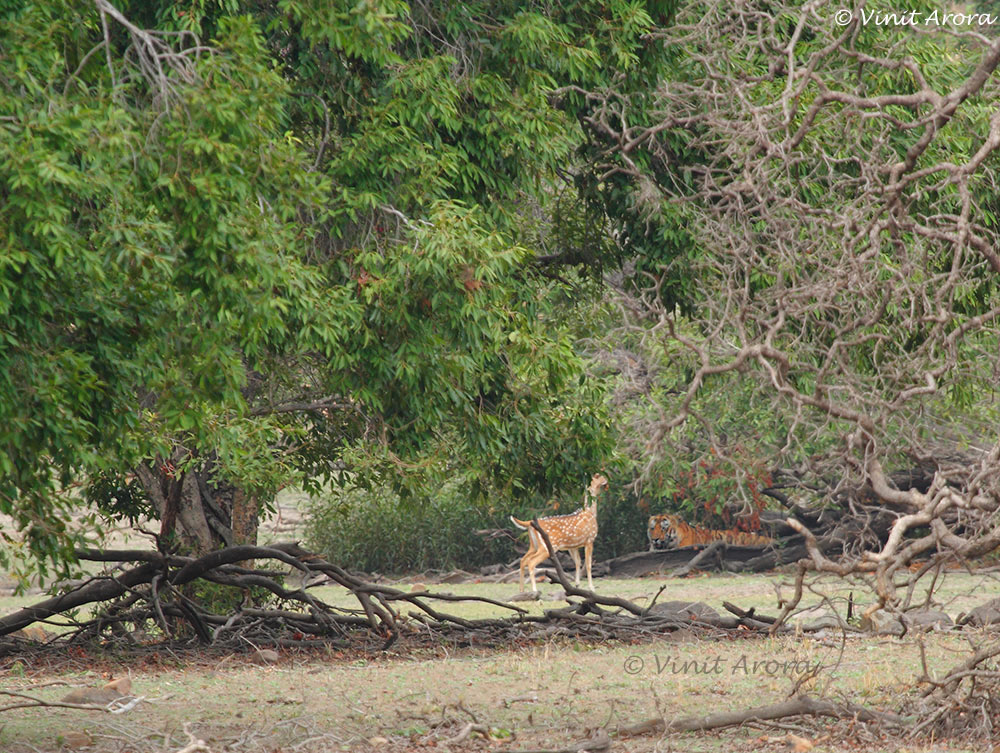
(798, 744)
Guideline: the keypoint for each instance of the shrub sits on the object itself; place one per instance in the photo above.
(377, 531)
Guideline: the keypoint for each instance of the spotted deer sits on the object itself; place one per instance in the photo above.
(565, 532)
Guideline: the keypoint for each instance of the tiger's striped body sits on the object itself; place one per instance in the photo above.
(671, 532)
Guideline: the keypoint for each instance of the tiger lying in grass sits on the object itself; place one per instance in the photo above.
(671, 532)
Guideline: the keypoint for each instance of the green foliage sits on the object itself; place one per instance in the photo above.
(376, 530)
(444, 147)
(118, 497)
(621, 520)
(216, 598)
(324, 203)
(147, 259)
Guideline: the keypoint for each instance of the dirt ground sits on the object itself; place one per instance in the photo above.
(525, 697)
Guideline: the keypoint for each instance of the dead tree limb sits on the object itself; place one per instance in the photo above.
(99, 589)
(30, 702)
(801, 705)
(749, 614)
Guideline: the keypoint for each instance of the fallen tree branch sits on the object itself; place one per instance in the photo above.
(33, 702)
(467, 730)
(151, 594)
(99, 589)
(798, 706)
(748, 614)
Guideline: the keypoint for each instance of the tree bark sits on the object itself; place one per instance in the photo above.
(245, 516)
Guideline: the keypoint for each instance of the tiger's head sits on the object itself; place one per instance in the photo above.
(662, 533)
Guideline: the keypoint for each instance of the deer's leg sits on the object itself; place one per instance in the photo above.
(537, 557)
(589, 552)
(576, 563)
(526, 559)
(532, 564)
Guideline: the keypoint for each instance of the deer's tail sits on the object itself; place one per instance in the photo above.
(522, 524)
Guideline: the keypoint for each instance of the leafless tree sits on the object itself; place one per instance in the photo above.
(841, 200)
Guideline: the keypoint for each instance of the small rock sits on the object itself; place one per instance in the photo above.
(829, 622)
(377, 741)
(525, 596)
(927, 619)
(985, 614)
(265, 656)
(417, 587)
(882, 622)
(76, 739)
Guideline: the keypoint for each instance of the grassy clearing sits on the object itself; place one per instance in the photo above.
(530, 695)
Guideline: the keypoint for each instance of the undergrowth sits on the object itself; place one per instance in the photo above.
(378, 531)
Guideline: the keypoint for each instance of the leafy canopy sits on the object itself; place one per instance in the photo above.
(316, 204)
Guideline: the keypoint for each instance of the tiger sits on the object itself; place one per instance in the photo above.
(671, 532)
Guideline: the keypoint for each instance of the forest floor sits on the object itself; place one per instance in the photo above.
(435, 692)
(535, 694)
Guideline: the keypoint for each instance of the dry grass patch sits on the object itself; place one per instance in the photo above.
(529, 696)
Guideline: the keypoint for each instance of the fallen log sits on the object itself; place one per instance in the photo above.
(801, 705)
(732, 559)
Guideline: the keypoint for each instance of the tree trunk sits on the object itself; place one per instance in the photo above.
(196, 512)
(244, 512)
